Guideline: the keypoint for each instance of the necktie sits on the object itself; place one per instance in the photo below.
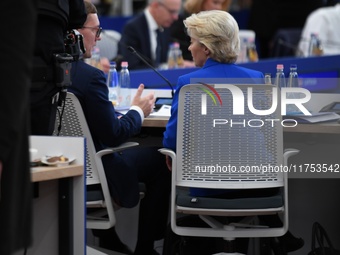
(158, 48)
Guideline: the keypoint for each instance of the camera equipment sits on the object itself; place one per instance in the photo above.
(74, 44)
(63, 69)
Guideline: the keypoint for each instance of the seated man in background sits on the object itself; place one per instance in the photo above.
(141, 33)
(324, 23)
(126, 169)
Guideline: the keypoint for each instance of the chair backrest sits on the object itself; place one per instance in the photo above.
(108, 45)
(220, 148)
(74, 124)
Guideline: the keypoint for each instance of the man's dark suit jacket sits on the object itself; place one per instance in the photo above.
(136, 34)
(89, 86)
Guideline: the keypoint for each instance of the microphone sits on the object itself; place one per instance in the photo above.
(133, 51)
(290, 46)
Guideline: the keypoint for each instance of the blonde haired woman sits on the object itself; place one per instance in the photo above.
(190, 7)
(214, 46)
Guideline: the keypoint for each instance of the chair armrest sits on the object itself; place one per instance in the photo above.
(288, 153)
(121, 147)
(173, 157)
(168, 152)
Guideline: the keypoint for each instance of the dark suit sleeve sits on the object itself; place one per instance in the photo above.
(102, 118)
(136, 34)
(107, 130)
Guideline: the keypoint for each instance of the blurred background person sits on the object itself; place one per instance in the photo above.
(178, 32)
(148, 33)
(324, 23)
(266, 17)
(15, 175)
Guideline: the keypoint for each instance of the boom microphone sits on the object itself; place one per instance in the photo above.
(291, 46)
(132, 50)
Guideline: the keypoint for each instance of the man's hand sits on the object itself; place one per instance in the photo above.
(145, 103)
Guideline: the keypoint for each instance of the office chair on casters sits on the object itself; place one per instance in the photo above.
(100, 207)
(219, 149)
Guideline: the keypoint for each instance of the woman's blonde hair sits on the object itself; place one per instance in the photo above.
(196, 6)
(218, 31)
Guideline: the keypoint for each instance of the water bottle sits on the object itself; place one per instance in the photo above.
(267, 99)
(293, 82)
(268, 79)
(252, 52)
(124, 87)
(280, 80)
(112, 83)
(178, 55)
(172, 56)
(243, 55)
(315, 47)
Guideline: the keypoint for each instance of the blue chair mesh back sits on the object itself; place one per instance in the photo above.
(215, 154)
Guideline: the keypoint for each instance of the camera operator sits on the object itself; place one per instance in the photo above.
(51, 63)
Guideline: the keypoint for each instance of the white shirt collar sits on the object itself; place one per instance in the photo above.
(150, 20)
(152, 25)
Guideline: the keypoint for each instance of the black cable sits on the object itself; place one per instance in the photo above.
(60, 114)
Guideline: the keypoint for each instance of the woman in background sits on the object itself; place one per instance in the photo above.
(178, 33)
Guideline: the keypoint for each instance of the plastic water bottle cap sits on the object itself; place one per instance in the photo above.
(279, 66)
(124, 64)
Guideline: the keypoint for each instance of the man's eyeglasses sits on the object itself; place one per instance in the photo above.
(172, 12)
(98, 30)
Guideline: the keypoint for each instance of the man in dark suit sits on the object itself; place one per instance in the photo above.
(126, 169)
(18, 19)
(149, 33)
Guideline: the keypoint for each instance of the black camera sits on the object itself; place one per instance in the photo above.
(74, 44)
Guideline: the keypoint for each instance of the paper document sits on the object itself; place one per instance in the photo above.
(164, 111)
(315, 117)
